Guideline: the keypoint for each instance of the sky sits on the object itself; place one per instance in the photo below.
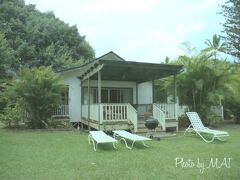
(140, 30)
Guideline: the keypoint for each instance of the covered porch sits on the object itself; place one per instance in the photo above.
(120, 94)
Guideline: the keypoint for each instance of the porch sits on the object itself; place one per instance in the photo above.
(124, 115)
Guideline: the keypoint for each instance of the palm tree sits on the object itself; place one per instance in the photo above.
(215, 46)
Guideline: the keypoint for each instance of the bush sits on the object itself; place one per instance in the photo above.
(13, 116)
(183, 121)
(39, 90)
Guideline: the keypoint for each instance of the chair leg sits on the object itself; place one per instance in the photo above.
(207, 141)
(114, 146)
(89, 141)
(94, 145)
(221, 138)
(125, 143)
(145, 144)
(132, 144)
(188, 130)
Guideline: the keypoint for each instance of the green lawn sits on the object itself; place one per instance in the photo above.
(67, 155)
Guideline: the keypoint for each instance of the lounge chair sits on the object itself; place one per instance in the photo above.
(124, 135)
(98, 137)
(197, 126)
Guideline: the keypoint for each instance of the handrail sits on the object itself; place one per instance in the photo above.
(169, 109)
(159, 115)
(132, 116)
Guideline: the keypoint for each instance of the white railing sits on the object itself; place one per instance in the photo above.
(169, 109)
(132, 116)
(159, 115)
(114, 112)
(62, 110)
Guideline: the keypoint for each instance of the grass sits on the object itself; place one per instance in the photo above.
(67, 155)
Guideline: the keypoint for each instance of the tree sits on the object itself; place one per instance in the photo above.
(40, 39)
(231, 12)
(39, 92)
(215, 46)
(205, 83)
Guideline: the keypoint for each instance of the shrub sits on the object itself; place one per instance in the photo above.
(183, 121)
(12, 116)
(40, 92)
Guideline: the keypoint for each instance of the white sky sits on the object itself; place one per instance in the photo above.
(139, 30)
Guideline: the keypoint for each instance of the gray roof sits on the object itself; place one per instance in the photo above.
(114, 68)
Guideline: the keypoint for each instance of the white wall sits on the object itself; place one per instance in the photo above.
(74, 96)
(145, 93)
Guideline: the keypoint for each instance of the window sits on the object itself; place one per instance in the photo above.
(109, 95)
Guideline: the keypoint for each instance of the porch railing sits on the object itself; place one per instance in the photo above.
(159, 115)
(111, 112)
(62, 110)
(114, 111)
(132, 116)
(169, 109)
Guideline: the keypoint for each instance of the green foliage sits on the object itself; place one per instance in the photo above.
(6, 56)
(39, 90)
(40, 39)
(205, 83)
(29, 38)
(231, 12)
(183, 121)
(13, 116)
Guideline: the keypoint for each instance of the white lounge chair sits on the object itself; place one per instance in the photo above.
(98, 137)
(197, 126)
(124, 135)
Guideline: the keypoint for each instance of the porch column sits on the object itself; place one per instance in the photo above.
(153, 91)
(81, 86)
(136, 94)
(99, 99)
(175, 96)
(88, 103)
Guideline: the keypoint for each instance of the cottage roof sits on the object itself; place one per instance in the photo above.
(115, 68)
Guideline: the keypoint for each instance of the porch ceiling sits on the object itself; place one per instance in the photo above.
(133, 71)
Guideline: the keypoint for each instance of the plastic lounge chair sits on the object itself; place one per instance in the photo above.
(197, 126)
(98, 137)
(124, 135)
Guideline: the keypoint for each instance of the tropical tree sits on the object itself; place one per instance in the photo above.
(205, 83)
(215, 46)
(38, 90)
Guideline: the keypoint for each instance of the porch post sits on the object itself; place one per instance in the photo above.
(99, 99)
(88, 103)
(136, 94)
(175, 96)
(153, 91)
(81, 86)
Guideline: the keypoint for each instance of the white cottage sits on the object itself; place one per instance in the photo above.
(111, 93)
